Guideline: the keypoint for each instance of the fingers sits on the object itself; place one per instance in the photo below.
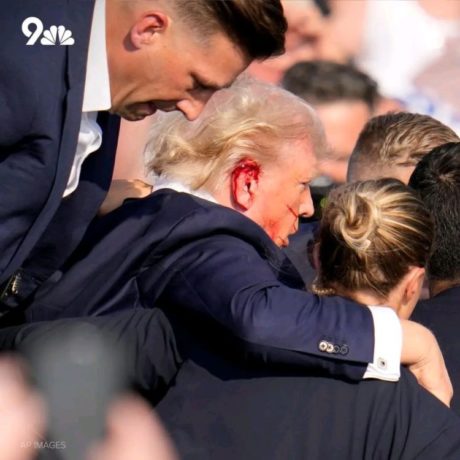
(433, 376)
(120, 190)
(138, 188)
(422, 355)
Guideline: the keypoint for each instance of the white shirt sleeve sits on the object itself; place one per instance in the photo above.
(387, 346)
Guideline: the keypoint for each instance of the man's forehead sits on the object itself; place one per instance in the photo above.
(309, 170)
(218, 69)
(300, 159)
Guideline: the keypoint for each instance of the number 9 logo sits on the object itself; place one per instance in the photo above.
(33, 34)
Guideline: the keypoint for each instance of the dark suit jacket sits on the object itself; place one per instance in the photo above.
(219, 409)
(441, 314)
(41, 93)
(173, 249)
(230, 415)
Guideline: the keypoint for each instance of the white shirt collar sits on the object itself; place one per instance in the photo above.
(160, 183)
(97, 84)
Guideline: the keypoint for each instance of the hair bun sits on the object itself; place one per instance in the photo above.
(356, 222)
(371, 233)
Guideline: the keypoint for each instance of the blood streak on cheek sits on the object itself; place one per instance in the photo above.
(292, 212)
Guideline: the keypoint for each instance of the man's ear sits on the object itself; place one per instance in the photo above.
(413, 283)
(244, 183)
(147, 26)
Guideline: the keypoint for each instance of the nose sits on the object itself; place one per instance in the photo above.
(306, 208)
(191, 108)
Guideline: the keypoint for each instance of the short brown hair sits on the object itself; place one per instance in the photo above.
(322, 82)
(370, 235)
(397, 137)
(257, 26)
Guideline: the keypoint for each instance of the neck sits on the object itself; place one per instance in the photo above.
(366, 298)
(223, 196)
(438, 286)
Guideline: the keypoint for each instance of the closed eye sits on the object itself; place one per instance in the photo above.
(199, 85)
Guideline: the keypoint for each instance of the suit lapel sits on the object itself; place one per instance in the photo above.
(76, 72)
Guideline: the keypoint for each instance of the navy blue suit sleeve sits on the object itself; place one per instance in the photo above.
(228, 281)
(32, 92)
(21, 167)
(146, 336)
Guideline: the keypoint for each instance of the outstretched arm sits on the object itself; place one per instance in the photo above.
(229, 282)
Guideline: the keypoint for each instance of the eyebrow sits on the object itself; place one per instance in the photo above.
(306, 179)
(312, 174)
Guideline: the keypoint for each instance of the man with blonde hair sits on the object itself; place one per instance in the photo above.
(391, 145)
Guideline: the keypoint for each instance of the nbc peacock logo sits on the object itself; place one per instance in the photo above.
(33, 29)
(57, 36)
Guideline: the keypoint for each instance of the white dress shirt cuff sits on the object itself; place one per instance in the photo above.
(387, 346)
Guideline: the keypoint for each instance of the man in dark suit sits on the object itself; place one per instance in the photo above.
(62, 64)
(437, 179)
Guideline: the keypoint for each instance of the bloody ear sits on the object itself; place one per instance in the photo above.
(244, 182)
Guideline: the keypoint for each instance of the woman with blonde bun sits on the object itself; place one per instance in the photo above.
(374, 242)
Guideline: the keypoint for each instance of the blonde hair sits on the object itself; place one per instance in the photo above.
(248, 120)
(371, 233)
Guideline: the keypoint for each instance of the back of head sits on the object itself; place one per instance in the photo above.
(371, 233)
(257, 26)
(321, 82)
(437, 180)
(391, 145)
(248, 120)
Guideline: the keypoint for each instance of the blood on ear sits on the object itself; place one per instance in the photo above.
(247, 171)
